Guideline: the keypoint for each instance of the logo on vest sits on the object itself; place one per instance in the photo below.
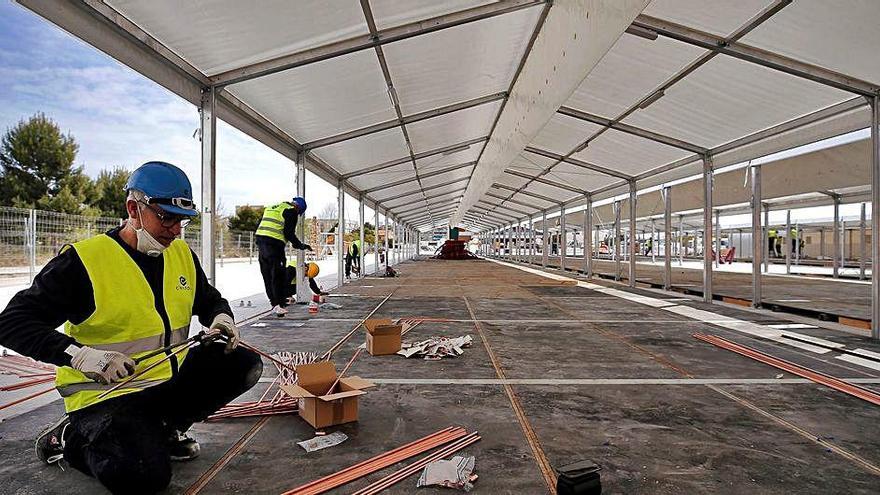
(182, 284)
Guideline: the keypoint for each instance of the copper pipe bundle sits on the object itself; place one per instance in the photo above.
(23, 366)
(415, 467)
(821, 378)
(380, 461)
(28, 383)
(280, 403)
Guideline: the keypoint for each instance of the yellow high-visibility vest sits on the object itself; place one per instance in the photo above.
(126, 319)
(356, 242)
(272, 223)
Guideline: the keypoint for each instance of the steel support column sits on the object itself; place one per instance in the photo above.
(617, 241)
(340, 234)
(387, 235)
(544, 239)
(563, 238)
(765, 238)
(863, 247)
(758, 240)
(836, 232)
(667, 238)
(362, 249)
(633, 248)
(208, 115)
(707, 227)
(530, 240)
(875, 217)
(302, 287)
(376, 238)
(681, 240)
(653, 241)
(588, 238)
(717, 238)
(786, 244)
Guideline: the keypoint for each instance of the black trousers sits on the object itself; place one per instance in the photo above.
(123, 442)
(272, 267)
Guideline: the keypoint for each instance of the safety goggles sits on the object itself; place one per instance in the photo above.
(168, 220)
(185, 203)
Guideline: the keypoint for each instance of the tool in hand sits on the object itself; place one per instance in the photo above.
(200, 338)
(167, 348)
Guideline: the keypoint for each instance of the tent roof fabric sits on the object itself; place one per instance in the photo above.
(435, 74)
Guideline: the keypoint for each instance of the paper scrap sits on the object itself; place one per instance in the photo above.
(455, 473)
(324, 441)
(436, 348)
(259, 325)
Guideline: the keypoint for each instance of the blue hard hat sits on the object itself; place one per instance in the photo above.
(166, 186)
(300, 204)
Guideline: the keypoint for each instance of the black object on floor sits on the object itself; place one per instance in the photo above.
(579, 478)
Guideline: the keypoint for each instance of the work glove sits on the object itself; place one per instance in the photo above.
(104, 367)
(226, 325)
(307, 247)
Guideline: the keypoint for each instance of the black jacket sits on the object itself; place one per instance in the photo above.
(62, 291)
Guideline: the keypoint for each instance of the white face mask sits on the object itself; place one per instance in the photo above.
(146, 243)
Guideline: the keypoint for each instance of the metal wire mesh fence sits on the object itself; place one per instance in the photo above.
(29, 238)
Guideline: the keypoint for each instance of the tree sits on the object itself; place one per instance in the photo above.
(109, 192)
(246, 218)
(36, 162)
(328, 212)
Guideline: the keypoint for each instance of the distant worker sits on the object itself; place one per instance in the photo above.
(311, 270)
(122, 296)
(773, 242)
(353, 258)
(649, 246)
(278, 226)
(793, 235)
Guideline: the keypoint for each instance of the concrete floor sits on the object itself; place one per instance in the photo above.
(847, 301)
(596, 375)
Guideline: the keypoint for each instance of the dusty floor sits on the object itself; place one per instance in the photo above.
(596, 375)
(818, 297)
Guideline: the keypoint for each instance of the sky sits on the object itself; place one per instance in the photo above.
(121, 119)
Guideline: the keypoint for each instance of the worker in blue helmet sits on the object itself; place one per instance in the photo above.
(276, 228)
(124, 296)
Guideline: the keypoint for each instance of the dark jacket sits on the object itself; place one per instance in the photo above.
(62, 291)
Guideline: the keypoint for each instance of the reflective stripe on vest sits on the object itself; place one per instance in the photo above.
(272, 223)
(125, 317)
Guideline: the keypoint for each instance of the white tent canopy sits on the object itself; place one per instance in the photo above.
(480, 113)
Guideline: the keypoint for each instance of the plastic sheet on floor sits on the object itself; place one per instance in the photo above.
(455, 473)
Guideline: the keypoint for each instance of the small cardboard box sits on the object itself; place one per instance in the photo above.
(316, 406)
(383, 337)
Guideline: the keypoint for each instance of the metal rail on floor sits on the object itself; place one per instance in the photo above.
(821, 378)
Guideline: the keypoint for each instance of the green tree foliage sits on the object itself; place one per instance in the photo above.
(109, 196)
(36, 161)
(246, 218)
(37, 171)
(369, 234)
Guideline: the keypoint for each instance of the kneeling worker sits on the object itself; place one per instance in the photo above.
(122, 295)
(311, 271)
(276, 228)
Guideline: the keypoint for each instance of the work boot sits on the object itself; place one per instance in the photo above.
(49, 445)
(279, 311)
(183, 447)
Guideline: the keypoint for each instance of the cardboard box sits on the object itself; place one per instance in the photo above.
(383, 337)
(319, 408)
